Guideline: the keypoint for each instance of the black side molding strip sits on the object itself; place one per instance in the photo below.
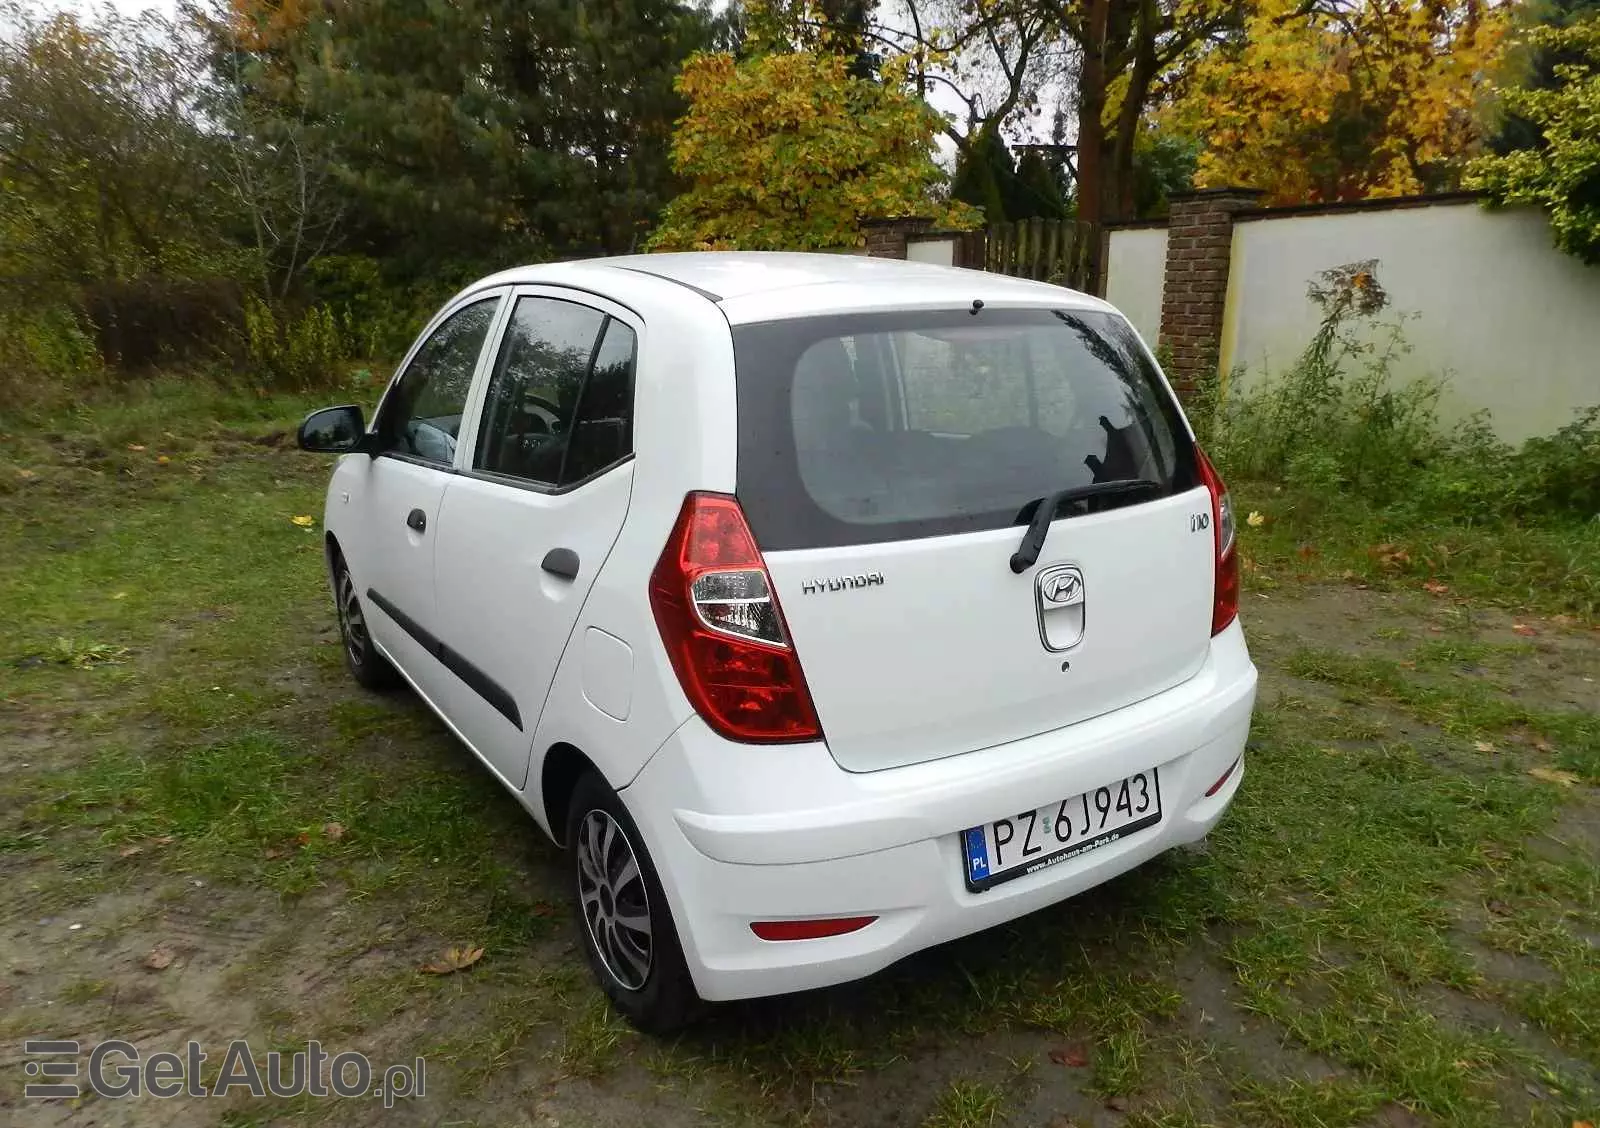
(472, 677)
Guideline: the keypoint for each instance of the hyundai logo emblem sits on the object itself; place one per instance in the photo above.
(1061, 586)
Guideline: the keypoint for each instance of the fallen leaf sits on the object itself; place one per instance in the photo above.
(1499, 908)
(162, 460)
(333, 831)
(1391, 556)
(120, 595)
(1554, 775)
(1582, 1124)
(303, 838)
(453, 959)
(1563, 620)
(25, 474)
(1435, 587)
(272, 853)
(163, 840)
(1542, 746)
(130, 851)
(545, 909)
(160, 958)
(137, 447)
(1073, 1056)
(1484, 746)
(1306, 551)
(1117, 1104)
(303, 522)
(1255, 520)
(1523, 629)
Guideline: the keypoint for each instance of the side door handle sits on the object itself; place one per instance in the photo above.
(562, 562)
(417, 520)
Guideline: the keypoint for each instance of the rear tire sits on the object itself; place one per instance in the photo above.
(361, 656)
(623, 920)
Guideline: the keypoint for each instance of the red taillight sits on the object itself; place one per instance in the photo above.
(809, 929)
(1225, 597)
(722, 626)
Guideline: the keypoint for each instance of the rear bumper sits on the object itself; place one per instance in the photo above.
(743, 833)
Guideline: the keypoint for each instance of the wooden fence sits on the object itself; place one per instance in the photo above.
(1042, 249)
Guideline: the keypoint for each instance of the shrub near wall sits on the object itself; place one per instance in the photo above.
(1342, 469)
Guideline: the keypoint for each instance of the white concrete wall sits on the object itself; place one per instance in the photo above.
(1513, 323)
(940, 251)
(1135, 270)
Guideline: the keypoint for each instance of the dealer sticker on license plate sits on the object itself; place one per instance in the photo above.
(1059, 831)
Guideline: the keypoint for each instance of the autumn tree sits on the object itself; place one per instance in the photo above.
(1343, 100)
(785, 151)
(104, 172)
(1560, 171)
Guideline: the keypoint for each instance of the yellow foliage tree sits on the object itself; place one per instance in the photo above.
(787, 151)
(1344, 99)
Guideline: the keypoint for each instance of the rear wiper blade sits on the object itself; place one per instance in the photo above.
(1027, 553)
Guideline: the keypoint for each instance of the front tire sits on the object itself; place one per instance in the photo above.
(361, 657)
(623, 921)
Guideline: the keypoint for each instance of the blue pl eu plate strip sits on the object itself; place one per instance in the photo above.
(977, 855)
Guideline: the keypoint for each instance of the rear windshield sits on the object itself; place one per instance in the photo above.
(888, 426)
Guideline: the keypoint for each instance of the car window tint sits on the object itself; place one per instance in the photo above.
(878, 426)
(527, 415)
(602, 432)
(422, 415)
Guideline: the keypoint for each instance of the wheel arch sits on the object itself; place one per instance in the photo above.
(563, 765)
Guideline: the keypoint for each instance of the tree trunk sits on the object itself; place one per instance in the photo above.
(1118, 201)
(1091, 145)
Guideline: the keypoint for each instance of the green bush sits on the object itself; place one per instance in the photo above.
(45, 355)
(1339, 422)
(293, 352)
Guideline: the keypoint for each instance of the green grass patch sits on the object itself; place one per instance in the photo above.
(1342, 912)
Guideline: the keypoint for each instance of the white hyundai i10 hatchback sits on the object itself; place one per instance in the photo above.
(823, 608)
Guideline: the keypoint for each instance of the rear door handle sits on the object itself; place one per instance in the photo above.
(562, 562)
(417, 520)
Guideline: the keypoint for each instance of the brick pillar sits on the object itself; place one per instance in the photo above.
(886, 238)
(1199, 249)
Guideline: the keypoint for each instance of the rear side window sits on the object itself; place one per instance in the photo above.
(888, 426)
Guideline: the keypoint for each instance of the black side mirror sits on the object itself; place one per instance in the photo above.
(334, 430)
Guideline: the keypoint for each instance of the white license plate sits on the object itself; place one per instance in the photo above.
(1059, 831)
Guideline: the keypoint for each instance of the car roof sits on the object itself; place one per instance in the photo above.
(762, 285)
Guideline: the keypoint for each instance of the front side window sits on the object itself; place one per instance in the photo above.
(560, 405)
(884, 426)
(421, 418)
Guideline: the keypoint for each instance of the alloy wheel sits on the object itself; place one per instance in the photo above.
(616, 908)
(352, 622)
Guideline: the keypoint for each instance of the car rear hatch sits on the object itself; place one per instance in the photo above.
(890, 465)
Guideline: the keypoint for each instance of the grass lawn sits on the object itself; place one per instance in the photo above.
(207, 831)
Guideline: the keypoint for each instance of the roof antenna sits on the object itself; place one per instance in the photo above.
(977, 304)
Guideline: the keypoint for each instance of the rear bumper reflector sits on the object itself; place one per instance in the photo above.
(1224, 778)
(809, 929)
